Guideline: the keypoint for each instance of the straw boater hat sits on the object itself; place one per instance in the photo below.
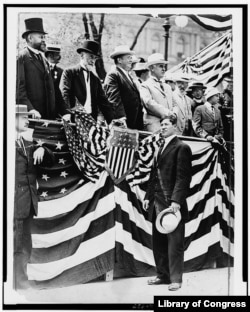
(182, 77)
(52, 48)
(89, 46)
(121, 50)
(197, 85)
(169, 77)
(156, 58)
(33, 25)
(22, 109)
(211, 92)
(140, 66)
(166, 222)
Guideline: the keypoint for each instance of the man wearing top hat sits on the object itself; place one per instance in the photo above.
(53, 56)
(80, 86)
(26, 198)
(196, 92)
(156, 94)
(207, 122)
(34, 85)
(167, 191)
(121, 90)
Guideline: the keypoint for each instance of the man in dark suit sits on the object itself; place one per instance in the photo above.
(53, 56)
(122, 92)
(34, 85)
(207, 122)
(168, 188)
(26, 198)
(80, 86)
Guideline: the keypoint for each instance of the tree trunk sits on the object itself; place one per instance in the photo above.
(86, 26)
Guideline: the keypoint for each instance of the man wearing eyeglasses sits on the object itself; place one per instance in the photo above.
(156, 94)
(80, 86)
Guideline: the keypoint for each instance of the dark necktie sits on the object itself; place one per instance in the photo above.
(213, 111)
(161, 85)
(87, 71)
(40, 58)
(21, 144)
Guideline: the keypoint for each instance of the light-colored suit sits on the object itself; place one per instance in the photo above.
(184, 112)
(158, 103)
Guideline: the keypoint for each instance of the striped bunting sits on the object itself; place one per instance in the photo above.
(211, 64)
(212, 22)
(78, 236)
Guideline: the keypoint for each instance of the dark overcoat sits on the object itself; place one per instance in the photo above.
(34, 85)
(124, 97)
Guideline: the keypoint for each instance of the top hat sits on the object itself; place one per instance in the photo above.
(167, 221)
(89, 46)
(52, 48)
(211, 92)
(140, 66)
(156, 58)
(22, 109)
(121, 50)
(34, 24)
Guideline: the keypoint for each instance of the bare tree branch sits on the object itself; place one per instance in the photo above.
(86, 26)
(101, 26)
(93, 27)
(138, 33)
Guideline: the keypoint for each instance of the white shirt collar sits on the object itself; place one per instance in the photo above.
(167, 141)
(34, 50)
(208, 105)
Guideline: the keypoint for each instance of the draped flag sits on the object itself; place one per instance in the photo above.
(87, 225)
(212, 22)
(211, 64)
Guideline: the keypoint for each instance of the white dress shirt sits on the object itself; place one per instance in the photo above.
(87, 104)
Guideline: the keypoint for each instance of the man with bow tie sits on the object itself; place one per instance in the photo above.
(122, 91)
(26, 197)
(156, 94)
(80, 86)
(34, 85)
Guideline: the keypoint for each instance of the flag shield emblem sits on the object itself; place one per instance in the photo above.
(122, 145)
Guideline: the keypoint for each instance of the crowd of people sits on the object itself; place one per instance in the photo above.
(135, 94)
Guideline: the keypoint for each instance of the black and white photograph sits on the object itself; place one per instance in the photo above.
(123, 157)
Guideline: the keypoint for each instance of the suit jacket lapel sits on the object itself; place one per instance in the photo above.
(208, 112)
(34, 60)
(156, 85)
(168, 148)
(129, 81)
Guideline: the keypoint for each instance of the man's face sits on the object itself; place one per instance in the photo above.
(214, 99)
(158, 70)
(167, 128)
(197, 93)
(182, 85)
(37, 41)
(22, 123)
(88, 59)
(125, 61)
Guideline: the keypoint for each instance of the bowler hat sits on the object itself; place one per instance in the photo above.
(121, 50)
(156, 58)
(34, 24)
(211, 92)
(22, 109)
(52, 48)
(167, 221)
(89, 46)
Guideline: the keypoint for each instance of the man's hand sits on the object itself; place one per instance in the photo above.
(38, 155)
(210, 138)
(35, 113)
(145, 204)
(67, 117)
(175, 207)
